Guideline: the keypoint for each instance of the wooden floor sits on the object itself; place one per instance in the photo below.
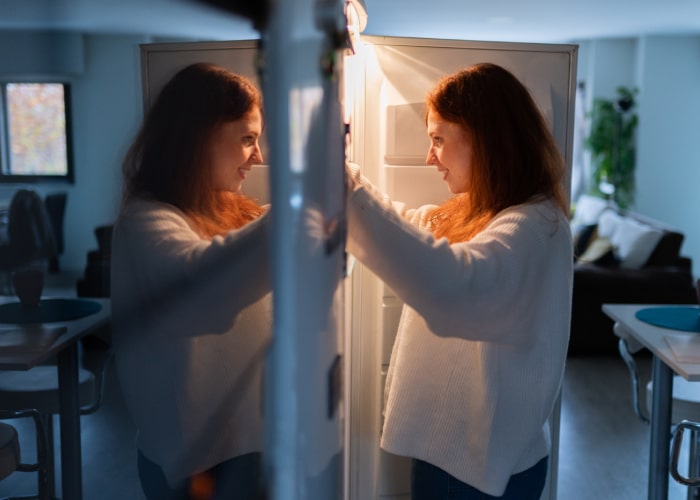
(603, 449)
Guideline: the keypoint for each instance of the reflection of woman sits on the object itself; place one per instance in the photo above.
(190, 288)
(486, 278)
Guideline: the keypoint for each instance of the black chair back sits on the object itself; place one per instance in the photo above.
(56, 208)
(29, 233)
(28, 226)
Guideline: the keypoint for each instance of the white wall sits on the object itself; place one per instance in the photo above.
(668, 161)
(106, 105)
(106, 114)
(609, 65)
(666, 70)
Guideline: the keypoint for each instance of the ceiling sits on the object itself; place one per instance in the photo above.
(493, 20)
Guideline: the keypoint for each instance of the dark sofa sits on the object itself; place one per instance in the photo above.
(665, 278)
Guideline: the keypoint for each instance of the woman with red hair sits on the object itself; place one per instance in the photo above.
(486, 279)
(191, 298)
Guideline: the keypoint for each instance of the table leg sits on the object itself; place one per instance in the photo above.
(662, 377)
(71, 461)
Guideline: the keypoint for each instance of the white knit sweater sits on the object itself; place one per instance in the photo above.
(480, 350)
(191, 319)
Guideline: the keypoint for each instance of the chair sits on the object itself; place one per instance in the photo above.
(55, 204)
(30, 238)
(685, 406)
(37, 390)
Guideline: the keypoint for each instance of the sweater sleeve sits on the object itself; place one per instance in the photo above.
(172, 269)
(416, 216)
(477, 289)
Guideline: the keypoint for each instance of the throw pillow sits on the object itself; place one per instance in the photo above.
(583, 236)
(588, 209)
(635, 242)
(607, 224)
(600, 251)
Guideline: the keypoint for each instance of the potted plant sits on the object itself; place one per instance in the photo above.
(611, 141)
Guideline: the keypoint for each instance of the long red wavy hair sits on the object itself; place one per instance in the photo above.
(515, 158)
(167, 160)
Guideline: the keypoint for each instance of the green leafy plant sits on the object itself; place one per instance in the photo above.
(611, 141)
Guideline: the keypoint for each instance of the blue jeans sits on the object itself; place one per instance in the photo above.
(239, 478)
(432, 483)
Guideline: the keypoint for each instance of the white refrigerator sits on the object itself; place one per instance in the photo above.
(380, 91)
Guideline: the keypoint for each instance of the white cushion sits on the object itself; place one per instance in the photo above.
(588, 209)
(607, 224)
(596, 250)
(634, 242)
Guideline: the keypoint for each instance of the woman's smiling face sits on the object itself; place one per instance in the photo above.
(450, 151)
(234, 149)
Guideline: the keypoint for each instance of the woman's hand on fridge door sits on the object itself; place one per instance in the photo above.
(353, 174)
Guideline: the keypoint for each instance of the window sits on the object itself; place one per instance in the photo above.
(36, 133)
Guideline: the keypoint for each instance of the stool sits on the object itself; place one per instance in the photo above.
(693, 478)
(37, 388)
(684, 408)
(685, 405)
(9, 450)
(35, 393)
(10, 460)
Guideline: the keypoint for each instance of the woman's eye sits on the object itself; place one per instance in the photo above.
(437, 141)
(249, 140)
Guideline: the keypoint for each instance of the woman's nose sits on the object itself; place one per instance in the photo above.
(431, 159)
(257, 154)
